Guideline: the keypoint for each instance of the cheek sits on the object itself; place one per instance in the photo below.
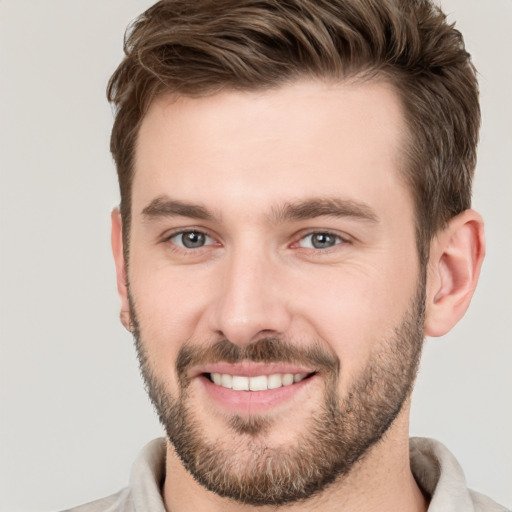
(169, 306)
(356, 310)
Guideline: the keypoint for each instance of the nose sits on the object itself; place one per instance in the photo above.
(251, 301)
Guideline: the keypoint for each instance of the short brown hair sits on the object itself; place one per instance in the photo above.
(200, 47)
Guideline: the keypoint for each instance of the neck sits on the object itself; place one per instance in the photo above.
(381, 481)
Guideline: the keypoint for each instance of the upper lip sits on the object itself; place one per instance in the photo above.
(251, 369)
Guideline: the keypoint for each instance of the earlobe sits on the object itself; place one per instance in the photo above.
(117, 249)
(456, 256)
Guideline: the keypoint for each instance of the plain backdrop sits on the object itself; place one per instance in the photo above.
(73, 410)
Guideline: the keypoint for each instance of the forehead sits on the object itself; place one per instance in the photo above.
(249, 149)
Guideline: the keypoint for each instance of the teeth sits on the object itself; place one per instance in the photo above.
(240, 383)
(275, 381)
(258, 383)
(287, 379)
(226, 381)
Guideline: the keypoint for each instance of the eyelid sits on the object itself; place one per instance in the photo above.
(169, 235)
(343, 238)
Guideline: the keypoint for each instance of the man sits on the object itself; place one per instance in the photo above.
(295, 217)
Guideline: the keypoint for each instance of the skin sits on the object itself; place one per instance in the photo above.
(244, 156)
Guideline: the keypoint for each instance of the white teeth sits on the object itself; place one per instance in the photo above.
(226, 380)
(275, 381)
(240, 383)
(258, 383)
(287, 379)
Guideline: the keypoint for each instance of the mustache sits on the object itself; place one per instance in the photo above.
(264, 350)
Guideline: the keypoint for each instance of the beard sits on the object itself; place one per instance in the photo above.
(242, 466)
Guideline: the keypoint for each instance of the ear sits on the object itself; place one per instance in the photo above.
(117, 249)
(456, 256)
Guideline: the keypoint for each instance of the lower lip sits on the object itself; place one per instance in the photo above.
(253, 402)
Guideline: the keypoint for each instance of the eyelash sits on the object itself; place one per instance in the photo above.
(181, 247)
(339, 240)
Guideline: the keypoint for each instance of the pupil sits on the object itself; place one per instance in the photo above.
(322, 240)
(193, 239)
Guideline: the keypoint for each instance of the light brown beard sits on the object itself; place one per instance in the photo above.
(340, 433)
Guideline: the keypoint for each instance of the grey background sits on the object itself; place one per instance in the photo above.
(73, 411)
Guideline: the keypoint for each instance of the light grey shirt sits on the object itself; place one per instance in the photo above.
(434, 467)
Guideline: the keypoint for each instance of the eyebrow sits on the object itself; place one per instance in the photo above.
(162, 207)
(324, 207)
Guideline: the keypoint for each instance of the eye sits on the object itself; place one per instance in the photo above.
(191, 239)
(319, 241)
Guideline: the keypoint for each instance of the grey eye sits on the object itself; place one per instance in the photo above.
(319, 241)
(191, 239)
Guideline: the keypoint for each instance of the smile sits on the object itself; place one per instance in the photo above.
(256, 383)
(249, 387)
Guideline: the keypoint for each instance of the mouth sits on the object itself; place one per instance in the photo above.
(247, 389)
(256, 383)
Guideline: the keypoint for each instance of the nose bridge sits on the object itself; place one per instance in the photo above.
(251, 302)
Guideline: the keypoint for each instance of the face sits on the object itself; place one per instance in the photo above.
(274, 284)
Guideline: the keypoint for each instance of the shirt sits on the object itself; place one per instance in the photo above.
(435, 469)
